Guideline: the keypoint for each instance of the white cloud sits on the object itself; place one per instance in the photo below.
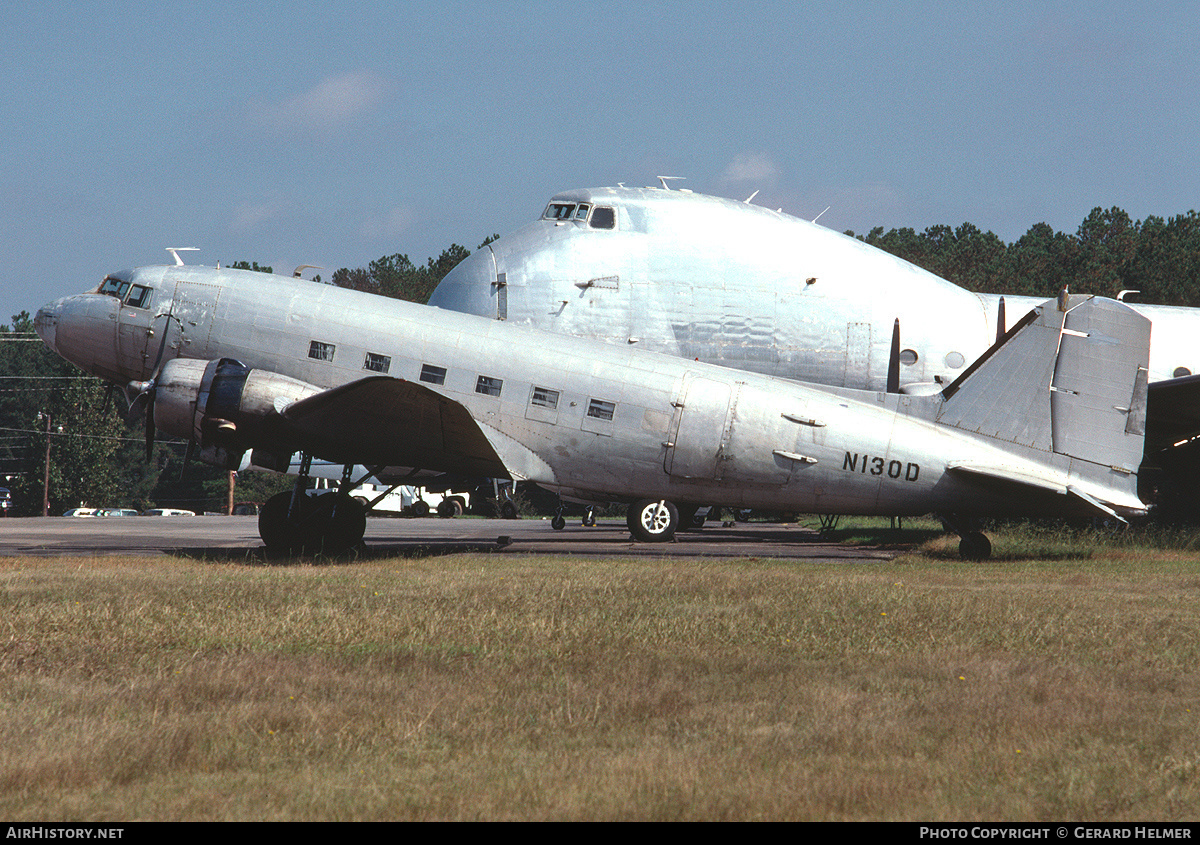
(751, 167)
(333, 102)
(389, 225)
(249, 216)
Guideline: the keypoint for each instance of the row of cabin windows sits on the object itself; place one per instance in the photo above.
(543, 397)
(373, 361)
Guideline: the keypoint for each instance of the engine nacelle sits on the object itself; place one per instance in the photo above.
(226, 408)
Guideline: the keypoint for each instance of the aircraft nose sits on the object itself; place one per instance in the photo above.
(83, 329)
(45, 322)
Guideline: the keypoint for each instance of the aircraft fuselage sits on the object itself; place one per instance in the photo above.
(594, 421)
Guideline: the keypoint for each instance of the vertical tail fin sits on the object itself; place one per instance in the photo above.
(1070, 378)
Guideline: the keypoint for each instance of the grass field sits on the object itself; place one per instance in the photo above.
(1056, 682)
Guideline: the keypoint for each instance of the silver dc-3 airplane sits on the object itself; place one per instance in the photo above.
(727, 282)
(1048, 421)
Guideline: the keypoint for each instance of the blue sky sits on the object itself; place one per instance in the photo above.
(332, 133)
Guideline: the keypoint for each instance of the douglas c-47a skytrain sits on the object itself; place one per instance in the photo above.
(1048, 421)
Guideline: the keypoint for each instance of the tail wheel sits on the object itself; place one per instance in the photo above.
(652, 520)
(975, 546)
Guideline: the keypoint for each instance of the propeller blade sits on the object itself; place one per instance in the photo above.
(1000, 322)
(162, 344)
(187, 457)
(149, 429)
(893, 375)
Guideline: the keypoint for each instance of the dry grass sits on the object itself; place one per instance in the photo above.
(508, 687)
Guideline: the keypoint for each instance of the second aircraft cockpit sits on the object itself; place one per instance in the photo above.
(586, 214)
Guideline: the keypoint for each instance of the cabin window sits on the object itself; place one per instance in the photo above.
(601, 410)
(544, 397)
(432, 374)
(604, 217)
(139, 296)
(377, 363)
(321, 351)
(488, 386)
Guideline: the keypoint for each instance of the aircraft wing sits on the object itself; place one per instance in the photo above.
(392, 422)
(1172, 412)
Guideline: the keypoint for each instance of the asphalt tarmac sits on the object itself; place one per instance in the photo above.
(236, 537)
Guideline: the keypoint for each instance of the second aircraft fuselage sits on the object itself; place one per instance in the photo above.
(742, 286)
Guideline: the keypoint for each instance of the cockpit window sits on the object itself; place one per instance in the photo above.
(582, 212)
(139, 296)
(604, 217)
(113, 286)
(559, 211)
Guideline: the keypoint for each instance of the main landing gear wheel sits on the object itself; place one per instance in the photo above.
(329, 524)
(975, 546)
(652, 520)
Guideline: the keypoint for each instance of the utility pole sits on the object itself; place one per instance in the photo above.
(46, 481)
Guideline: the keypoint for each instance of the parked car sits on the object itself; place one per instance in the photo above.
(167, 512)
(81, 512)
(5, 501)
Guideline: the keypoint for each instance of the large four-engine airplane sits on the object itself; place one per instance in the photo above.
(731, 283)
(1048, 421)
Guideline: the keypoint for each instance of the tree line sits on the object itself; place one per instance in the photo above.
(1108, 253)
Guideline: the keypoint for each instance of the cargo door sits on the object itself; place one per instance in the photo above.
(694, 447)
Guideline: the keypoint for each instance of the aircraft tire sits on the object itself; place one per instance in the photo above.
(558, 523)
(509, 511)
(449, 508)
(277, 532)
(652, 520)
(329, 524)
(975, 546)
(420, 508)
(337, 522)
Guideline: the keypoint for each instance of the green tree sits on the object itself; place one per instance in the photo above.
(85, 428)
(1108, 242)
(248, 265)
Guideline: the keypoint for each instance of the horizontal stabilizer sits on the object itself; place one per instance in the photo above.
(1015, 475)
